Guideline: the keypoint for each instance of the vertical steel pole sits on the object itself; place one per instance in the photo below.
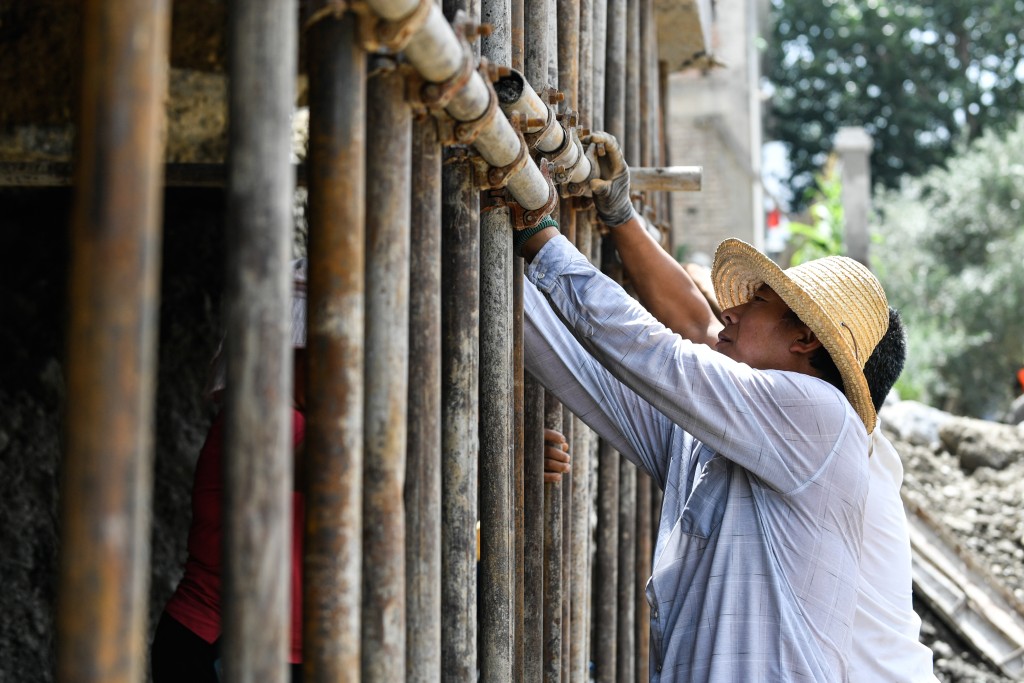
(642, 509)
(535, 64)
(332, 565)
(598, 58)
(388, 168)
(567, 541)
(423, 465)
(615, 71)
(607, 574)
(552, 558)
(631, 143)
(626, 667)
(535, 68)
(497, 579)
(643, 552)
(497, 551)
(664, 158)
(518, 407)
(606, 597)
(460, 316)
(533, 553)
(258, 429)
(648, 134)
(113, 299)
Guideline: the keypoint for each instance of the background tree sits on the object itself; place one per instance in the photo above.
(919, 75)
(952, 260)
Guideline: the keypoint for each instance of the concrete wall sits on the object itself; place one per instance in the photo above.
(715, 122)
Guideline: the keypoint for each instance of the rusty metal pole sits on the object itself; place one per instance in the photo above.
(642, 508)
(535, 64)
(106, 487)
(332, 566)
(567, 541)
(631, 141)
(518, 399)
(258, 428)
(580, 552)
(625, 663)
(598, 57)
(607, 554)
(615, 71)
(606, 584)
(460, 315)
(423, 450)
(533, 553)
(497, 551)
(388, 168)
(552, 558)
(535, 68)
(664, 157)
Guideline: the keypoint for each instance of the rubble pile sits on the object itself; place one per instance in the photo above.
(970, 475)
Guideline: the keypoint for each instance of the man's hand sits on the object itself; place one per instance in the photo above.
(556, 456)
(611, 190)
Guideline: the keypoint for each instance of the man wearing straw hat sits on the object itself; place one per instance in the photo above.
(886, 640)
(761, 448)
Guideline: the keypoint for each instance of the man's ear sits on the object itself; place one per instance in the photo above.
(806, 343)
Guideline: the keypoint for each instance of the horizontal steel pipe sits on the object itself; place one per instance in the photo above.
(517, 96)
(667, 179)
(437, 54)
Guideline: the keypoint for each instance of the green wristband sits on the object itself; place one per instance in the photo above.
(521, 237)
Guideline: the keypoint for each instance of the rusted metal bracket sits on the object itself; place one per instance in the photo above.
(496, 177)
(377, 34)
(523, 218)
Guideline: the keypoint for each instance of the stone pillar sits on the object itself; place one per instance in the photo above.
(854, 145)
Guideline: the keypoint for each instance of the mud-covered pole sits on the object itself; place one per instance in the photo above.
(332, 566)
(388, 167)
(258, 425)
(460, 311)
(648, 134)
(605, 600)
(497, 552)
(518, 399)
(553, 558)
(423, 464)
(106, 487)
(535, 69)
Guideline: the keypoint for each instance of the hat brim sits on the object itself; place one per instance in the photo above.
(739, 269)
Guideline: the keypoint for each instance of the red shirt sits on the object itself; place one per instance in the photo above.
(196, 603)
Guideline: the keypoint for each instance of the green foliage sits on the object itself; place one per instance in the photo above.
(951, 257)
(919, 75)
(824, 236)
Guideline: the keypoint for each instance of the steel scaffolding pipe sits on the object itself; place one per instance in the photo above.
(332, 563)
(423, 459)
(558, 143)
(438, 55)
(388, 165)
(258, 425)
(106, 490)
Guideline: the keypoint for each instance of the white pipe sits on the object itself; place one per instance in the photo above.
(516, 95)
(436, 53)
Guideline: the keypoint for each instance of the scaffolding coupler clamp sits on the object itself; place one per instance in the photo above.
(523, 218)
(496, 177)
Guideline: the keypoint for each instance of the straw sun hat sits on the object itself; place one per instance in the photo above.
(836, 297)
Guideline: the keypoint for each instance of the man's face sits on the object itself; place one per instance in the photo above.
(759, 333)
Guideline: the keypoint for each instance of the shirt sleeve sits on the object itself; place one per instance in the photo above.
(628, 422)
(781, 426)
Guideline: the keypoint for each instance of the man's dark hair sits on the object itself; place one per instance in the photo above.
(886, 362)
(883, 367)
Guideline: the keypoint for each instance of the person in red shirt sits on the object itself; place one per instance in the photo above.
(185, 646)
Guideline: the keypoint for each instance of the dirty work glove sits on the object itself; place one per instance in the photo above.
(611, 189)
